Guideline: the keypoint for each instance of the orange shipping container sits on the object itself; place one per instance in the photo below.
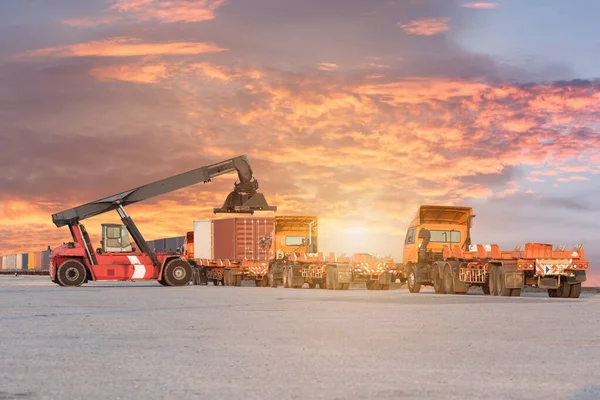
(30, 262)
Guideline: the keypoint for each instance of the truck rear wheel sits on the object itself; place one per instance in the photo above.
(177, 273)
(564, 290)
(493, 279)
(71, 273)
(575, 291)
(501, 282)
(448, 279)
(438, 282)
(323, 284)
(412, 284)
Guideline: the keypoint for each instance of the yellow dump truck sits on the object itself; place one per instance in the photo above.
(438, 252)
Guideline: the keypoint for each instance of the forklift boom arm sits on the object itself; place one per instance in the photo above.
(244, 198)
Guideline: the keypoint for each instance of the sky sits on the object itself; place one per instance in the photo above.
(356, 111)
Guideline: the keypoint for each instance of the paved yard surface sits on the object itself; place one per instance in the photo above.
(144, 341)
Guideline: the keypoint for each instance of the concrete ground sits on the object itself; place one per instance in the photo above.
(144, 341)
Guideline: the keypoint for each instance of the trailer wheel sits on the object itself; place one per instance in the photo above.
(448, 279)
(486, 289)
(515, 292)
(493, 279)
(177, 273)
(323, 284)
(312, 285)
(413, 286)
(71, 273)
(564, 290)
(502, 289)
(344, 286)
(259, 283)
(227, 278)
(385, 287)
(272, 281)
(575, 291)
(438, 282)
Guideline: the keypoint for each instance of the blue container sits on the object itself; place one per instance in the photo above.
(150, 244)
(46, 260)
(25, 264)
(174, 244)
(159, 245)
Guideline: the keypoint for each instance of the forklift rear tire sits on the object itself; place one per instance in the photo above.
(177, 273)
(71, 273)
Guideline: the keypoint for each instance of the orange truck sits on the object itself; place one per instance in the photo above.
(281, 250)
(438, 253)
(295, 260)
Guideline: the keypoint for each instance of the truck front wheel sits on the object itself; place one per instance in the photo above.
(177, 273)
(413, 286)
(71, 273)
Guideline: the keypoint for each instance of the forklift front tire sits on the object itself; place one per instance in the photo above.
(71, 273)
(177, 273)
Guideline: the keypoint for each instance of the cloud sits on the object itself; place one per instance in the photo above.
(426, 26)
(480, 5)
(325, 66)
(151, 10)
(572, 179)
(125, 47)
(140, 73)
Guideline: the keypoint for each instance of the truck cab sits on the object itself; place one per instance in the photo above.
(447, 225)
(294, 234)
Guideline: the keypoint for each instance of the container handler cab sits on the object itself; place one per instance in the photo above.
(76, 262)
(438, 253)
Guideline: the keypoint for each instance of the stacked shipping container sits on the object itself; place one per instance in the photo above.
(32, 262)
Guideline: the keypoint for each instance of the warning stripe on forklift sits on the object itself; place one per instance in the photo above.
(139, 270)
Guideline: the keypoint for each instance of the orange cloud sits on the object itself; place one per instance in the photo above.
(426, 26)
(139, 73)
(535, 180)
(480, 5)
(126, 47)
(158, 10)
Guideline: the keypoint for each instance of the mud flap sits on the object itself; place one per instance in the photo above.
(513, 280)
(385, 279)
(344, 274)
(578, 276)
(549, 282)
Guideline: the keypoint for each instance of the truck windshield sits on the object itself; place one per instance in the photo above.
(294, 240)
(445, 236)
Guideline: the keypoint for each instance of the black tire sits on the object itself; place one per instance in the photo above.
(575, 291)
(323, 284)
(564, 290)
(412, 284)
(448, 279)
(177, 273)
(260, 283)
(286, 278)
(345, 286)
(215, 282)
(486, 289)
(312, 285)
(438, 282)
(71, 273)
(502, 289)
(552, 293)
(515, 292)
(385, 287)
(492, 280)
